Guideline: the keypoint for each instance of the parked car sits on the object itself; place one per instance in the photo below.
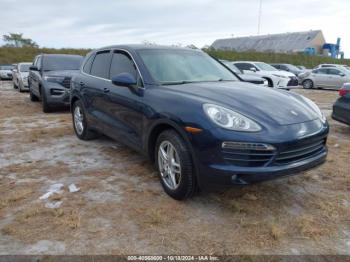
(341, 108)
(275, 78)
(326, 77)
(49, 79)
(289, 68)
(20, 76)
(303, 68)
(194, 118)
(6, 72)
(251, 78)
(333, 65)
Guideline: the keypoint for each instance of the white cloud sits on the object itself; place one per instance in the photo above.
(79, 23)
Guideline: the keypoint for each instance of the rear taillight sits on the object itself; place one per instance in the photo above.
(343, 91)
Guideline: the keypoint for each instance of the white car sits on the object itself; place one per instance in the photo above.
(275, 77)
(6, 72)
(20, 76)
(333, 65)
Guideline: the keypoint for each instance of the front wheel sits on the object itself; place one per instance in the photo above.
(175, 165)
(46, 107)
(80, 124)
(308, 84)
(33, 97)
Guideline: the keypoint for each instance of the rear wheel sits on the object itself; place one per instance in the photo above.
(80, 124)
(175, 166)
(308, 84)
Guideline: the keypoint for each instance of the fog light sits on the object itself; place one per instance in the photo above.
(248, 146)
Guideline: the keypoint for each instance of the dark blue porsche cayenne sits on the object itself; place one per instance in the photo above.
(200, 124)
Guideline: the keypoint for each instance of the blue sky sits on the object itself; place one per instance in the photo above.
(91, 24)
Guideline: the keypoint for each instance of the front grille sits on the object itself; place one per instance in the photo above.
(66, 82)
(293, 81)
(9, 74)
(269, 156)
(300, 152)
(247, 158)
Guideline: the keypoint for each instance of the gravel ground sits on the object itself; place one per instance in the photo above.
(120, 207)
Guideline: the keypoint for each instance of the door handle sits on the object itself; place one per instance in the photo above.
(105, 90)
(81, 84)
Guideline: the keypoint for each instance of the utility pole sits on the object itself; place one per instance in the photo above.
(259, 17)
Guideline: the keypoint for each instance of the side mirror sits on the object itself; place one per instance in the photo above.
(341, 74)
(252, 69)
(33, 68)
(124, 79)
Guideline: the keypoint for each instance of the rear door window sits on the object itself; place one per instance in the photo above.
(100, 66)
(334, 72)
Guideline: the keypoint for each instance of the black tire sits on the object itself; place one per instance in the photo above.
(269, 82)
(187, 184)
(308, 84)
(33, 97)
(87, 133)
(46, 107)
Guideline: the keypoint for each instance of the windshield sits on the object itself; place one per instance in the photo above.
(6, 67)
(293, 67)
(265, 67)
(24, 67)
(56, 63)
(179, 66)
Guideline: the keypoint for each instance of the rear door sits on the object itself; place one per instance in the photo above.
(124, 105)
(321, 77)
(94, 83)
(336, 78)
(35, 76)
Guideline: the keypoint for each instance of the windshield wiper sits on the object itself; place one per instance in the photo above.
(177, 82)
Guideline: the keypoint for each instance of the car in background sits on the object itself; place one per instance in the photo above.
(289, 68)
(326, 77)
(341, 108)
(6, 72)
(20, 76)
(192, 116)
(275, 78)
(333, 65)
(251, 78)
(50, 77)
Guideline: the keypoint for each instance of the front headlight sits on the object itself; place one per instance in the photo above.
(230, 119)
(55, 79)
(316, 109)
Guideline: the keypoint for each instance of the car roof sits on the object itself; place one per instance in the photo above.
(144, 46)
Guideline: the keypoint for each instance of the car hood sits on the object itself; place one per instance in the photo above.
(68, 73)
(24, 74)
(250, 77)
(279, 72)
(260, 104)
(5, 71)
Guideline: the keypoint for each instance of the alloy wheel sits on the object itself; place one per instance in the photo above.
(78, 120)
(169, 165)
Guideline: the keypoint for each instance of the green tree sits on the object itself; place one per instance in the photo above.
(17, 40)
